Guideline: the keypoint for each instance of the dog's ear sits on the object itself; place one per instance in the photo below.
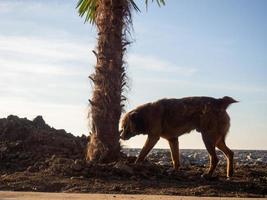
(138, 121)
(133, 115)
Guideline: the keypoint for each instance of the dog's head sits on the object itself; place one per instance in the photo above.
(132, 124)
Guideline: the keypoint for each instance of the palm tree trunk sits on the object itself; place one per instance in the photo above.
(108, 81)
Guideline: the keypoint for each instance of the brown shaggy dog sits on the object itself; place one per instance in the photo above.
(170, 118)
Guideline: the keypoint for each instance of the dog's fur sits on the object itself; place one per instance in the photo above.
(170, 118)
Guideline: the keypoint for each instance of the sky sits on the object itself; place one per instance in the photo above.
(186, 48)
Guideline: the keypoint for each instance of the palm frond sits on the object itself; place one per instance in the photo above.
(159, 2)
(87, 8)
(134, 5)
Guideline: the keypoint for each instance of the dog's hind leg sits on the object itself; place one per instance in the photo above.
(229, 155)
(150, 143)
(174, 145)
(210, 146)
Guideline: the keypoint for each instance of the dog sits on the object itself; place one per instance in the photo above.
(171, 118)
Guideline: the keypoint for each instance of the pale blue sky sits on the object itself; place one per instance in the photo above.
(186, 48)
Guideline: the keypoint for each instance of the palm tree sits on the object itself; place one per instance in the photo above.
(113, 20)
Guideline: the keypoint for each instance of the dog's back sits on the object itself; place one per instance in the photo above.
(189, 105)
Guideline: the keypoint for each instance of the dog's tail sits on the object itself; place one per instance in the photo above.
(226, 101)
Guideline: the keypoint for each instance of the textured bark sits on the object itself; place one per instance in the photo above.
(109, 80)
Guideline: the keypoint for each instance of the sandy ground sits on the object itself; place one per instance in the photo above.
(64, 196)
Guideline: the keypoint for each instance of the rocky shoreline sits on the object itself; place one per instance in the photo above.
(200, 157)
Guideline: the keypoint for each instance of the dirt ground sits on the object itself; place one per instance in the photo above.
(37, 157)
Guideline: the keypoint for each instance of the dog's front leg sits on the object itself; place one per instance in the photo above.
(150, 143)
(174, 146)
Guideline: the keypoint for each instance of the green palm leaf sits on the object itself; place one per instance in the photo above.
(88, 8)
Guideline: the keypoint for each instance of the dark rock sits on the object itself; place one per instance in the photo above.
(40, 123)
(116, 188)
(123, 167)
(32, 169)
(78, 165)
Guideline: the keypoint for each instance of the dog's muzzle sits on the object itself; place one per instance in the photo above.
(123, 136)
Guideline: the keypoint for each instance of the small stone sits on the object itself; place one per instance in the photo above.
(3, 149)
(76, 178)
(116, 188)
(4, 175)
(184, 161)
(77, 166)
(32, 169)
(123, 167)
(23, 156)
(53, 157)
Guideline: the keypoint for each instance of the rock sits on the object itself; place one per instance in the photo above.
(40, 123)
(249, 156)
(171, 171)
(32, 169)
(3, 149)
(184, 161)
(161, 162)
(123, 167)
(78, 165)
(23, 156)
(259, 160)
(77, 178)
(116, 188)
(53, 157)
